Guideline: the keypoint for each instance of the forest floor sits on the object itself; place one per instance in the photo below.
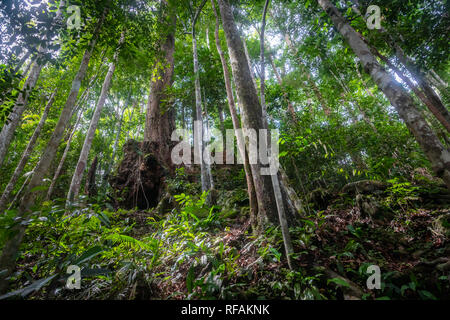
(200, 252)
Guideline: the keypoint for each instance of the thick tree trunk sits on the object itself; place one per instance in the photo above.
(236, 123)
(399, 98)
(82, 161)
(26, 154)
(160, 120)
(11, 247)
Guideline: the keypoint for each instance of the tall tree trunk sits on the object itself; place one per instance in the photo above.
(116, 143)
(64, 156)
(71, 131)
(91, 187)
(199, 138)
(17, 196)
(7, 132)
(251, 111)
(82, 161)
(11, 247)
(206, 131)
(263, 62)
(427, 95)
(438, 155)
(236, 123)
(26, 154)
(159, 120)
(274, 177)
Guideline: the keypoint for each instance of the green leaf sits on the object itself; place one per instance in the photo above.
(340, 282)
(89, 254)
(35, 286)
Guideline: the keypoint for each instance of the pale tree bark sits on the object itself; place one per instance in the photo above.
(17, 196)
(205, 171)
(251, 112)
(64, 156)
(437, 80)
(436, 153)
(206, 131)
(11, 247)
(26, 154)
(116, 142)
(82, 161)
(7, 132)
(160, 120)
(247, 56)
(274, 177)
(262, 86)
(436, 108)
(71, 131)
(428, 96)
(236, 123)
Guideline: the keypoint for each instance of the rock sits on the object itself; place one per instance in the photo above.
(365, 187)
(371, 207)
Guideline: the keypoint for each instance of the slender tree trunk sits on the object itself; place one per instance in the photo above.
(427, 95)
(199, 139)
(274, 177)
(7, 132)
(64, 156)
(221, 120)
(438, 155)
(438, 111)
(251, 111)
(263, 62)
(82, 161)
(236, 124)
(16, 197)
(91, 187)
(11, 247)
(26, 154)
(116, 143)
(71, 131)
(247, 56)
(207, 166)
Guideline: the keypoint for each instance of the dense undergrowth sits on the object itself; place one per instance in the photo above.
(196, 251)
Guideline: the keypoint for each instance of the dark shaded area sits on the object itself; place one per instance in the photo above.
(139, 180)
